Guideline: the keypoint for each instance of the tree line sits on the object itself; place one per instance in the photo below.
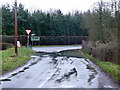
(100, 23)
(41, 23)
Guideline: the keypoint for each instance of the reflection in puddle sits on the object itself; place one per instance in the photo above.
(91, 68)
(66, 76)
(92, 76)
(33, 63)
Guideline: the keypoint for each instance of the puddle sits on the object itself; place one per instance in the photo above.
(66, 76)
(92, 76)
(91, 68)
(68, 65)
(67, 55)
(33, 63)
(72, 53)
(41, 53)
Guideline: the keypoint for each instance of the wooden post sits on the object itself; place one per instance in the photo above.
(16, 52)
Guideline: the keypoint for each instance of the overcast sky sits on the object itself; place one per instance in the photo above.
(45, 5)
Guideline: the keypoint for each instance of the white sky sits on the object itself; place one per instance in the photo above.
(45, 5)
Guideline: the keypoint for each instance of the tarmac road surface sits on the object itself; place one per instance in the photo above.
(57, 67)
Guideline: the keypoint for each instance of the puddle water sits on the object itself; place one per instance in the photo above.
(67, 75)
(70, 67)
(92, 76)
(63, 59)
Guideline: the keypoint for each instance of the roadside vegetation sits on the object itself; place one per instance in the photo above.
(11, 62)
(103, 31)
(107, 66)
(103, 51)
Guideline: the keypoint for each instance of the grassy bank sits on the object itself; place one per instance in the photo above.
(11, 62)
(109, 67)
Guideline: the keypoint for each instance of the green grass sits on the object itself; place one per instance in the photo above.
(109, 67)
(55, 45)
(11, 62)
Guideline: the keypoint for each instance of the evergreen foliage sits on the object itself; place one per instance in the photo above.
(41, 23)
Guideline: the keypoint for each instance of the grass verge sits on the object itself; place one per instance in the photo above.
(11, 62)
(109, 67)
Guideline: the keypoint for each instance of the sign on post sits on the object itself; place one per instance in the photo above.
(28, 32)
(35, 38)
